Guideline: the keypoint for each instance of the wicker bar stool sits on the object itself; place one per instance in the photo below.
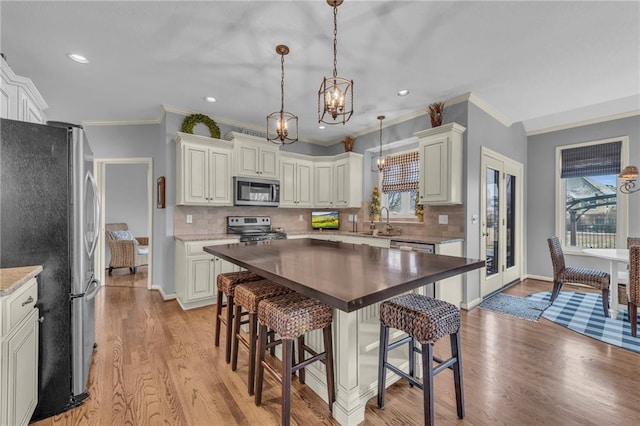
(425, 320)
(227, 283)
(291, 316)
(247, 296)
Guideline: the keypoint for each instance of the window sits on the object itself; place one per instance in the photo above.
(399, 183)
(589, 210)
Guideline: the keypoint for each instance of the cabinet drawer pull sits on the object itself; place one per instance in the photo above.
(29, 300)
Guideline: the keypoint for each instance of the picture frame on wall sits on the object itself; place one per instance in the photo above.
(160, 192)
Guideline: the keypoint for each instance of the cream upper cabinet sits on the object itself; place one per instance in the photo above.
(19, 98)
(254, 156)
(19, 329)
(323, 184)
(296, 181)
(441, 164)
(338, 181)
(203, 171)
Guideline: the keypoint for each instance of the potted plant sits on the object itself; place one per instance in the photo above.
(419, 209)
(374, 207)
(436, 113)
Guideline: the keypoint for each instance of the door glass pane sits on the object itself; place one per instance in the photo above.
(511, 219)
(492, 214)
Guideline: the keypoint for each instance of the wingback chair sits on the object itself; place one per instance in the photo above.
(563, 274)
(127, 251)
(634, 287)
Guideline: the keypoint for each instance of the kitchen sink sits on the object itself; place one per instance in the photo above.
(389, 233)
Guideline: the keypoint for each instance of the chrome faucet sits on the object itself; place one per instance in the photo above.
(388, 227)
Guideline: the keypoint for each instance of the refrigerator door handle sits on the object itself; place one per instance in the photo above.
(92, 289)
(96, 214)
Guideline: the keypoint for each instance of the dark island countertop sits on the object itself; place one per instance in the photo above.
(345, 276)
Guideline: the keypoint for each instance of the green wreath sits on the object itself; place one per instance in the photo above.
(190, 121)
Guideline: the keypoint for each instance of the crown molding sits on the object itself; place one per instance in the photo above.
(489, 109)
(582, 123)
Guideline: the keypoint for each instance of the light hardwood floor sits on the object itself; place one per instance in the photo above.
(156, 364)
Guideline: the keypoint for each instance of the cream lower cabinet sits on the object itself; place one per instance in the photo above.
(19, 355)
(197, 273)
(450, 289)
(203, 171)
(296, 182)
(441, 164)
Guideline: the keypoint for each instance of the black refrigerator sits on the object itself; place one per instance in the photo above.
(49, 216)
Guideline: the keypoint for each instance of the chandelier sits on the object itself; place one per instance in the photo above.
(628, 176)
(282, 126)
(335, 97)
(380, 158)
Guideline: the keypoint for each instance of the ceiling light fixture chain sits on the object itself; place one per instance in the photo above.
(282, 126)
(335, 97)
(381, 160)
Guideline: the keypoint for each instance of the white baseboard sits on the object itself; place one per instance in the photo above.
(539, 277)
(165, 296)
(472, 304)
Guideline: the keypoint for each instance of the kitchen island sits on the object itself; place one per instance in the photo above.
(354, 279)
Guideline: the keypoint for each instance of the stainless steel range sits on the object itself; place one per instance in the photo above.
(253, 228)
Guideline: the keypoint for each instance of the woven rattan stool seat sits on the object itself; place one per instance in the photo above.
(248, 295)
(423, 318)
(227, 282)
(293, 315)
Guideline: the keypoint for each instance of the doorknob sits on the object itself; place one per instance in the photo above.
(485, 234)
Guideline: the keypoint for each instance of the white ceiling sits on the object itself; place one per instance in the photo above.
(542, 63)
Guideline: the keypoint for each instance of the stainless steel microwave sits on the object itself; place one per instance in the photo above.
(255, 192)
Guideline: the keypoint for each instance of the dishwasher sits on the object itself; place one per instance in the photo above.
(429, 289)
(413, 246)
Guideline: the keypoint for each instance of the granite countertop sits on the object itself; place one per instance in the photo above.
(12, 278)
(204, 237)
(404, 238)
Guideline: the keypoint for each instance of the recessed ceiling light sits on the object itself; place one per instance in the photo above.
(77, 58)
(403, 92)
(209, 99)
(321, 127)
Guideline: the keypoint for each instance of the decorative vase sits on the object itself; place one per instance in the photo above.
(375, 217)
(420, 217)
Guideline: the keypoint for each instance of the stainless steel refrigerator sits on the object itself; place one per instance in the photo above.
(49, 214)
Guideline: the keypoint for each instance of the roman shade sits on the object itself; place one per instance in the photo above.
(591, 160)
(401, 172)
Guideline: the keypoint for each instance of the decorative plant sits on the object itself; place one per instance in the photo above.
(374, 207)
(189, 122)
(348, 144)
(436, 112)
(419, 209)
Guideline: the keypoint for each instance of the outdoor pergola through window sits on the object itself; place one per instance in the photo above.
(588, 185)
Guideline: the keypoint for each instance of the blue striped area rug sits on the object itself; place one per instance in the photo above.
(582, 312)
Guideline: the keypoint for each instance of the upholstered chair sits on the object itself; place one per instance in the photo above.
(127, 251)
(563, 274)
(634, 287)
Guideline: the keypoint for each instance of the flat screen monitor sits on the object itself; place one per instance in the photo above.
(325, 220)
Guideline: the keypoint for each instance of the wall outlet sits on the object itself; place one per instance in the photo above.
(350, 218)
(189, 218)
(300, 218)
(443, 219)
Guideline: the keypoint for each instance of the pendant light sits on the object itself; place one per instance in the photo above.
(335, 97)
(380, 158)
(282, 126)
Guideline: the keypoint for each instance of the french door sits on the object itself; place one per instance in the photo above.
(501, 222)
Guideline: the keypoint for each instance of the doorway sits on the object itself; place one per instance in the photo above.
(501, 208)
(109, 176)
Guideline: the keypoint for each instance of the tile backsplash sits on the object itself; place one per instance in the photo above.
(212, 220)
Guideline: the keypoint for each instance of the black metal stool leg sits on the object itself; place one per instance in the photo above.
(457, 372)
(427, 383)
(287, 364)
(218, 313)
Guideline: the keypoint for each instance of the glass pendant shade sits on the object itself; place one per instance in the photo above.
(335, 97)
(282, 126)
(628, 176)
(629, 172)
